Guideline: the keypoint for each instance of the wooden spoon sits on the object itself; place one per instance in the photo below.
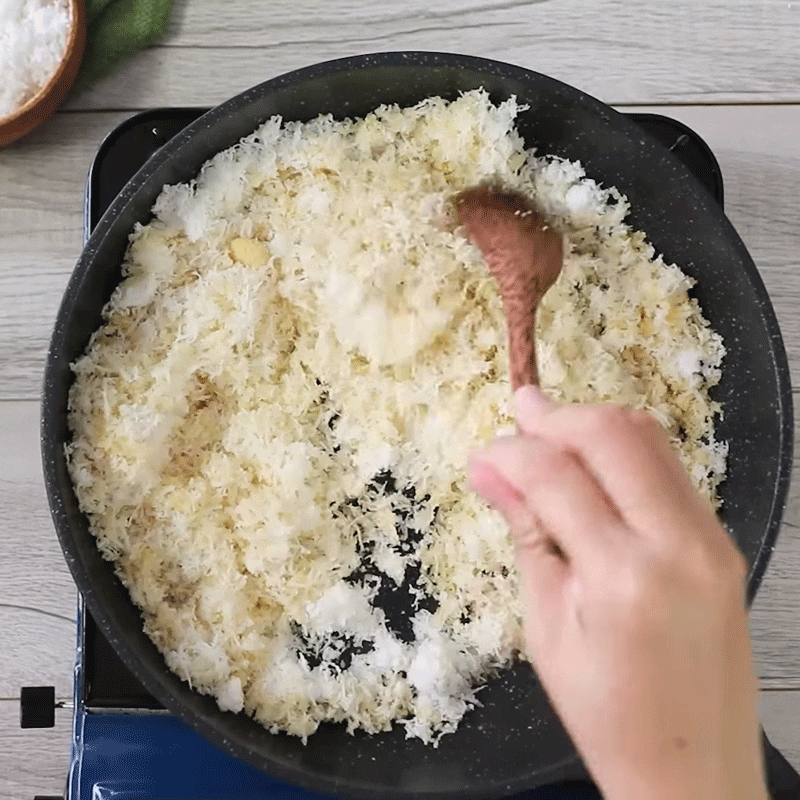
(524, 254)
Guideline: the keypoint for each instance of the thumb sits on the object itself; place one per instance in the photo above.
(541, 568)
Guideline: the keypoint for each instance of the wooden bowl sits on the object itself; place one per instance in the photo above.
(48, 98)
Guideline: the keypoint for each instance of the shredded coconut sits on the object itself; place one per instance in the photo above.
(271, 428)
(33, 39)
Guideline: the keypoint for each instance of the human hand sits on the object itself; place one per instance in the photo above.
(635, 614)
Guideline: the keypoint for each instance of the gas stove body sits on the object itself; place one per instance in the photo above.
(125, 746)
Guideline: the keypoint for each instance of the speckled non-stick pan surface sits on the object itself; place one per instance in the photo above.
(514, 741)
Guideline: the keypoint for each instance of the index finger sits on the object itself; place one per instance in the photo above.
(629, 455)
(556, 490)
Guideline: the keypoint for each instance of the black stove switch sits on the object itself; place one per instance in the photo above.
(37, 707)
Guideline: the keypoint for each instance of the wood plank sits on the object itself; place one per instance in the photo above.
(775, 615)
(780, 718)
(34, 761)
(677, 52)
(41, 191)
(37, 595)
(758, 149)
(41, 235)
(38, 649)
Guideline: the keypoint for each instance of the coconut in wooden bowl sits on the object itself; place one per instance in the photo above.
(41, 46)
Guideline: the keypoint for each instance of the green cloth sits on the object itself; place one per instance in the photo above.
(116, 30)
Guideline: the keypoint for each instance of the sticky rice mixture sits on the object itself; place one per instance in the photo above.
(271, 427)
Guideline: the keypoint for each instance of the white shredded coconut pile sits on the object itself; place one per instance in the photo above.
(33, 39)
(271, 429)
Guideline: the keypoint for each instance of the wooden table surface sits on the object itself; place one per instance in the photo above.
(728, 68)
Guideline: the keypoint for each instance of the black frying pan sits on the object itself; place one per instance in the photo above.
(514, 741)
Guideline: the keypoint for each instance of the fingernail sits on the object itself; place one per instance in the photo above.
(530, 399)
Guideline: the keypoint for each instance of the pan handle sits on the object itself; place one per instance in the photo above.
(573, 782)
(783, 782)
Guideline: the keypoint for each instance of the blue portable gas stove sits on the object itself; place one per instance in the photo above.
(125, 745)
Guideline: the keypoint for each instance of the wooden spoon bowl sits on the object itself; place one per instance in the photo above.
(525, 256)
(24, 119)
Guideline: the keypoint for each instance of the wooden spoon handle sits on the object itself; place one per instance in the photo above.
(523, 369)
(520, 288)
